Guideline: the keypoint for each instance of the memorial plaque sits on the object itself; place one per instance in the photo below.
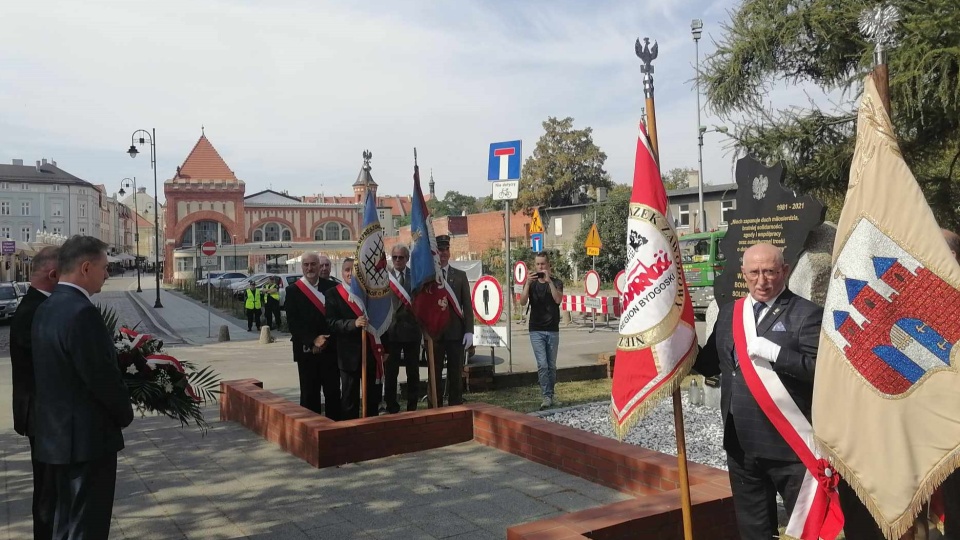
(766, 212)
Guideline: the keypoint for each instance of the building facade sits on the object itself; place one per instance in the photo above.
(46, 198)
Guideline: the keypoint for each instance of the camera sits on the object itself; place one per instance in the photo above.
(539, 275)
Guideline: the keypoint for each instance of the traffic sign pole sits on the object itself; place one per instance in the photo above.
(509, 297)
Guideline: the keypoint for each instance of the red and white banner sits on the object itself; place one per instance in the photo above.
(658, 342)
(577, 302)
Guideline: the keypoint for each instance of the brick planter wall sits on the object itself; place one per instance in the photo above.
(650, 476)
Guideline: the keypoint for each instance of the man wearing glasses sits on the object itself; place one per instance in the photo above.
(781, 332)
(403, 338)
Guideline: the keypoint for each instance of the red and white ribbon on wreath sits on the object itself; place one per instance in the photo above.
(816, 513)
(154, 360)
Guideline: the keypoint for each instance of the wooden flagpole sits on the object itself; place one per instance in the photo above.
(363, 373)
(431, 374)
(647, 55)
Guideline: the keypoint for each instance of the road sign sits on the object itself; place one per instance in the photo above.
(490, 336)
(591, 283)
(504, 161)
(209, 263)
(536, 242)
(536, 225)
(520, 273)
(593, 243)
(593, 302)
(487, 300)
(620, 282)
(208, 248)
(506, 190)
(9, 247)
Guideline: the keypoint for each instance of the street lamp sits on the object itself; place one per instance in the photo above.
(151, 137)
(136, 221)
(696, 28)
(700, 132)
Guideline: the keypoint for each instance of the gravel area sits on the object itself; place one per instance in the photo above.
(704, 432)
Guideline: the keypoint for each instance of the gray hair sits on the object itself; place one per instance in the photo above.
(401, 247)
(78, 250)
(45, 260)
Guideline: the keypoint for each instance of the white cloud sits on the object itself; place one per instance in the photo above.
(291, 93)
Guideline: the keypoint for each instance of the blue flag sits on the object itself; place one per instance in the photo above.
(430, 297)
(370, 286)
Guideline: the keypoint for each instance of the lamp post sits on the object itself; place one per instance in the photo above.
(696, 28)
(136, 221)
(151, 137)
(234, 252)
(702, 219)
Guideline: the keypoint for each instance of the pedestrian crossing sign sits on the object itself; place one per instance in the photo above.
(536, 225)
(593, 243)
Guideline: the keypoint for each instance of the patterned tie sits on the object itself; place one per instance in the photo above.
(758, 308)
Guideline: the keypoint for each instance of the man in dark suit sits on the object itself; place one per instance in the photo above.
(760, 462)
(81, 402)
(43, 279)
(347, 328)
(457, 337)
(313, 349)
(403, 340)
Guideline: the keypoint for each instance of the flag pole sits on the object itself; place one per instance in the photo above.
(363, 373)
(878, 24)
(647, 55)
(431, 376)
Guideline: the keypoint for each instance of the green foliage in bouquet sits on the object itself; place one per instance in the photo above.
(157, 382)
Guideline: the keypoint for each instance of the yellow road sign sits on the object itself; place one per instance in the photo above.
(536, 226)
(593, 243)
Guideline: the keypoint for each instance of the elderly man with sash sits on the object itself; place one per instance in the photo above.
(313, 349)
(764, 346)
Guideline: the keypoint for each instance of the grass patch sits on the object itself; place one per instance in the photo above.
(527, 399)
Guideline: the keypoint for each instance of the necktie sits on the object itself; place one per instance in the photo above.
(444, 270)
(403, 282)
(758, 308)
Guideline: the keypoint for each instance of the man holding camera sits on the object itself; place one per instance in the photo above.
(545, 293)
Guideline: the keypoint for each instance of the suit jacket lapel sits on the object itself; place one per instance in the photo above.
(774, 312)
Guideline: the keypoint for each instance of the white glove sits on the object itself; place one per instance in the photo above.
(763, 349)
(467, 340)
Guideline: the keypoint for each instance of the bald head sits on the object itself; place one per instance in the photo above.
(764, 271)
(953, 242)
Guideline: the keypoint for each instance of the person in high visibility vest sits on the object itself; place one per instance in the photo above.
(271, 296)
(253, 304)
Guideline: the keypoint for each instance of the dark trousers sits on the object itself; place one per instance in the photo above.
(84, 498)
(350, 392)
(411, 356)
(272, 313)
(858, 524)
(253, 315)
(755, 483)
(450, 351)
(44, 497)
(319, 374)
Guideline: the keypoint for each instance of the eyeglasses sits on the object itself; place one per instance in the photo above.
(767, 273)
(398, 257)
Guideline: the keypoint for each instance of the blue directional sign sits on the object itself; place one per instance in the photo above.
(536, 242)
(504, 161)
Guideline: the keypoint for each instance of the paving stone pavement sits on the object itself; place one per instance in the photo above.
(174, 483)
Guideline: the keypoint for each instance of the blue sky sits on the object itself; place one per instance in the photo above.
(291, 93)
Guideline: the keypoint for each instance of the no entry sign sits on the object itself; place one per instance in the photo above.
(209, 249)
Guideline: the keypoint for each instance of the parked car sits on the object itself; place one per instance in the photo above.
(9, 300)
(238, 286)
(285, 281)
(211, 277)
(230, 278)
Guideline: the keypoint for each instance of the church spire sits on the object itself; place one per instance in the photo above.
(433, 194)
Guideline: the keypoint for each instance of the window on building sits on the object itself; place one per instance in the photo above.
(83, 210)
(83, 230)
(4, 208)
(57, 209)
(25, 208)
(185, 264)
(726, 209)
(204, 231)
(382, 214)
(683, 215)
(25, 234)
(272, 232)
(25, 187)
(5, 186)
(56, 187)
(5, 232)
(332, 230)
(558, 226)
(57, 230)
(345, 233)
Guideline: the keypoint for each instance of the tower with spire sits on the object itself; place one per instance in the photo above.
(364, 180)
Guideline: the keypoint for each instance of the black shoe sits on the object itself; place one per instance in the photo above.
(393, 409)
(411, 406)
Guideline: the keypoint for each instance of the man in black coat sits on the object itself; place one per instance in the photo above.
(403, 340)
(313, 348)
(82, 403)
(348, 329)
(452, 344)
(43, 279)
(760, 462)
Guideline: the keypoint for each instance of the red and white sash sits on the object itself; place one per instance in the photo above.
(374, 342)
(398, 290)
(817, 513)
(454, 301)
(316, 297)
(138, 340)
